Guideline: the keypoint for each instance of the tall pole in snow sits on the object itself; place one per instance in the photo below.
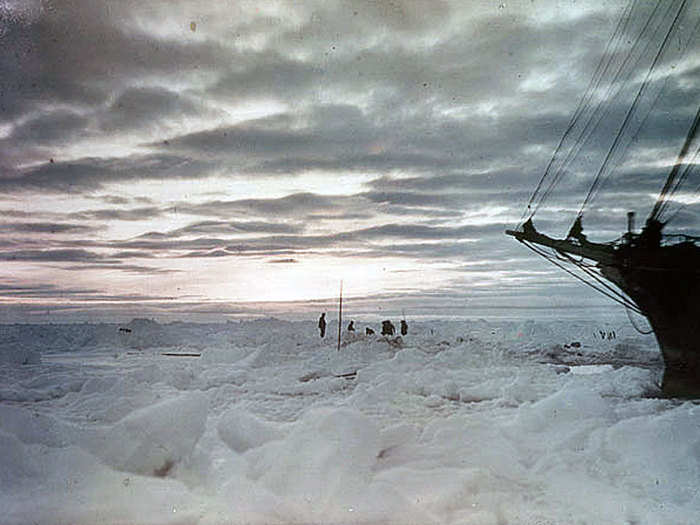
(340, 314)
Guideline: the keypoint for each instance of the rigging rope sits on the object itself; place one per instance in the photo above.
(616, 69)
(593, 85)
(671, 186)
(624, 301)
(622, 298)
(613, 90)
(591, 115)
(684, 50)
(598, 178)
(689, 168)
(634, 325)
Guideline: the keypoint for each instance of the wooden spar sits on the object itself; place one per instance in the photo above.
(340, 314)
(600, 253)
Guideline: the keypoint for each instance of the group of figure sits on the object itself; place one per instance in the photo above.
(388, 327)
(607, 335)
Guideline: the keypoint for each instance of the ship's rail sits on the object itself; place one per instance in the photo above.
(680, 238)
(671, 239)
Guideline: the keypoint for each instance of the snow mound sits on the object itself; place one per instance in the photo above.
(457, 423)
(242, 431)
(16, 469)
(322, 466)
(33, 428)
(19, 355)
(154, 439)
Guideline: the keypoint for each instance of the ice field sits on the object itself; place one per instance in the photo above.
(469, 422)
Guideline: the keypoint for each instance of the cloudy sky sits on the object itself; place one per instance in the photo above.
(184, 158)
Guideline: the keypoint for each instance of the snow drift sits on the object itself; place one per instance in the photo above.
(456, 423)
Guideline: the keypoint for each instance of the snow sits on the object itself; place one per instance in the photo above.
(459, 422)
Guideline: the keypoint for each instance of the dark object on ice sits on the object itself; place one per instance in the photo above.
(180, 354)
(388, 328)
(125, 330)
(369, 331)
(652, 273)
(349, 375)
(351, 326)
(396, 342)
(575, 344)
(624, 355)
(404, 327)
(165, 469)
(607, 335)
(322, 324)
(310, 377)
(663, 283)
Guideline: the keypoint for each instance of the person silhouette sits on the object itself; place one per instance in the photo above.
(322, 324)
(388, 328)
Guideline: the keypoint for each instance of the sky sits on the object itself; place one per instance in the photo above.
(220, 159)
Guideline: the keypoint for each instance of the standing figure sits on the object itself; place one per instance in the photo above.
(388, 328)
(404, 327)
(351, 326)
(322, 324)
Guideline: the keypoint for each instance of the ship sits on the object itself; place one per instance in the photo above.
(654, 272)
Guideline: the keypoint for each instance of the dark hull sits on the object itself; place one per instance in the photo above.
(665, 284)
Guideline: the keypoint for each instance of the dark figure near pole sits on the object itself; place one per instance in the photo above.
(322, 324)
(351, 326)
(369, 331)
(404, 327)
(388, 328)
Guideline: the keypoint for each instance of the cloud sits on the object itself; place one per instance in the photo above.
(110, 214)
(371, 241)
(87, 260)
(236, 227)
(417, 231)
(294, 205)
(403, 129)
(90, 174)
(42, 290)
(44, 227)
(52, 291)
(61, 126)
(79, 52)
(65, 255)
(127, 268)
(148, 107)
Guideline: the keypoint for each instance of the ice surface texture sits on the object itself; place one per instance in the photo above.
(478, 422)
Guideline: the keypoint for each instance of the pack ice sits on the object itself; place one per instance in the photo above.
(263, 422)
